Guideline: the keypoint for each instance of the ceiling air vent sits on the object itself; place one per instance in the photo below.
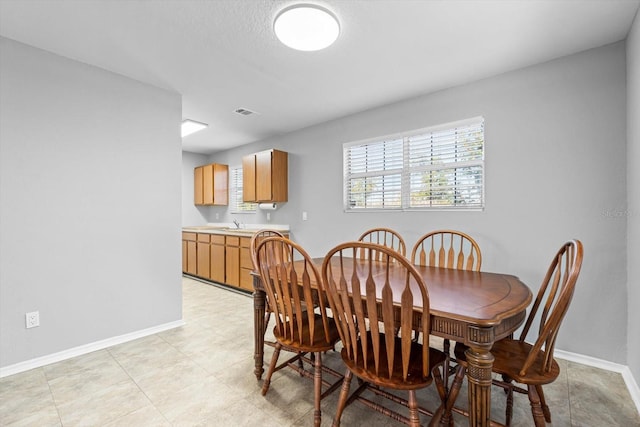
(244, 112)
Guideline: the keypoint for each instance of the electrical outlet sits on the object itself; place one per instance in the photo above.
(32, 319)
(268, 216)
(217, 215)
(304, 216)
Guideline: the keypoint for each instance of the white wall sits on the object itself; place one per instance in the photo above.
(555, 170)
(89, 204)
(633, 193)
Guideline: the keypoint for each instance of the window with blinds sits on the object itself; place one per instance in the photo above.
(437, 167)
(235, 193)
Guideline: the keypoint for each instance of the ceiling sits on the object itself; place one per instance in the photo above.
(221, 55)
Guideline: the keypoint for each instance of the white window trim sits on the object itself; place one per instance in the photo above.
(406, 170)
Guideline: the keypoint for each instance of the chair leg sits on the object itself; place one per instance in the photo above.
(507, 379)
(344, 394)
(447, 415)
(301, 364)
(272, 368)
(414, 415)
(509, 406)
(317, 385)
(446, 346)
(536, 407)
(545, 408)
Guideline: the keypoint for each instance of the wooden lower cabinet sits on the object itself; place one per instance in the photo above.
(218, 257)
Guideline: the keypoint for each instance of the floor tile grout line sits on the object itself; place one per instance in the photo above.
(53, 399)
(569, 394)
(139, 388)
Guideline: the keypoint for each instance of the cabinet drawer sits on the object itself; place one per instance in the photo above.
(189, 236)
(204, 238)
(245, 242)
(217, 239)
(233, 241)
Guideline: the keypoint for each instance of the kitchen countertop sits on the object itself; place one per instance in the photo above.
(231, 230)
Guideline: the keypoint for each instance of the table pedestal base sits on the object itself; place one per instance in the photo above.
(480, 362)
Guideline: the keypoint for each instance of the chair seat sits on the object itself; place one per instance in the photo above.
(509, 357)
(415, 379)
(302, 340)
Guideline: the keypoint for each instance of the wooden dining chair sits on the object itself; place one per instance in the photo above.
(385, 237)
(296, 296)
(447, 249)
(255, 239)
(370, 299)
(533, 364)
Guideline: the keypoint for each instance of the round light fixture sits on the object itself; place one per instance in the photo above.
(306, 27)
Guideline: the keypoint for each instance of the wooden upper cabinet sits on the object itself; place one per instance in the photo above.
(211, 184)
(265, 177)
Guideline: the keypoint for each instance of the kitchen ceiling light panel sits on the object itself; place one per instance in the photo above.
(306, 27)
(191, 126)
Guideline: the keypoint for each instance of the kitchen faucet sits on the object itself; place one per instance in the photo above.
(235, 221)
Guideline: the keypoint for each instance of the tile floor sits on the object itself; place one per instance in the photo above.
(201, 374)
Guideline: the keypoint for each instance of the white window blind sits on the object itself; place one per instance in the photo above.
(438, 167)
(235, 193)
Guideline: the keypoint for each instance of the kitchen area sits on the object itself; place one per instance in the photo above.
(219, 251)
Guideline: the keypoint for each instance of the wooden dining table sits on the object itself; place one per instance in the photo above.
(473, 308)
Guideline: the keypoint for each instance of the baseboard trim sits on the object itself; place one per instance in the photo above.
(84, 349)
(627, 376)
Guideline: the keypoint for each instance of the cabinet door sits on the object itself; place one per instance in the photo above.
(202, 267)
(184, 256)
(207, 184)
(249, 178)
(217, 263)
(220, 184)
(263, 176)
(232, 265)
(279, 176)
(245, 258)
(192, 261)
(246, 279)
(198, 186)
(246, 267)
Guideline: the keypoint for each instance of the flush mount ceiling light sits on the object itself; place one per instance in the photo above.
(306, 27)
(191, 126)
